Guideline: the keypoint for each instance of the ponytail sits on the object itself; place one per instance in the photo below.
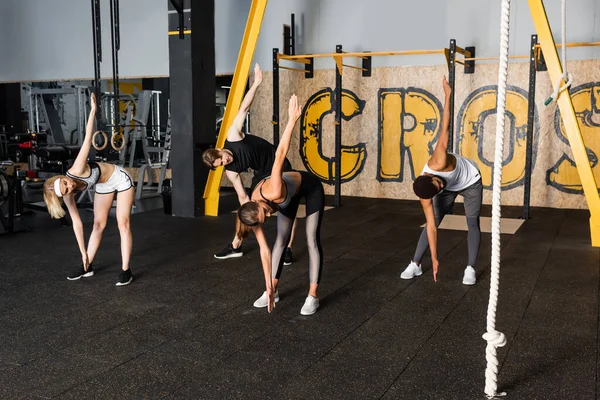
(241, 230)
(53, 202)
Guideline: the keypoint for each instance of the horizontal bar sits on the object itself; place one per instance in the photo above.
(294, 69)
(298, 60)
(459, 62)
(489, 58)
(354, 67)
(186, 32)
(576, 44)
(363, 54)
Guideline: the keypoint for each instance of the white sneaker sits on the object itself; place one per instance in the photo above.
(411, 271)
(469, 278)
(262, 300)
(310, 306)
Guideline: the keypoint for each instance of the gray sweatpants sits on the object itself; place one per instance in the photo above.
(443, 203)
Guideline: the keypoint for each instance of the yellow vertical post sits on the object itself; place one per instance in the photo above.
(569, 119)
(236, 94)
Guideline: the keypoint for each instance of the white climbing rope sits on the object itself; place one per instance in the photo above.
(566, 76)
(493, 337)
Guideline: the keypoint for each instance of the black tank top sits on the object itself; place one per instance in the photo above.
(254, 153)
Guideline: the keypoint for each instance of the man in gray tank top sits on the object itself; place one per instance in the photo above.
(444, 177)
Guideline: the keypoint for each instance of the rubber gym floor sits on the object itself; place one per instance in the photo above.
(186, 328)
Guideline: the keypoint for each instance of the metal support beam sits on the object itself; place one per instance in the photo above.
(338, 132)
(275, 98)
(238, 86)
(569, 118)
(530, 130)
(451, 79)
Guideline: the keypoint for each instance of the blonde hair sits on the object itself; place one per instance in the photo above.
(53, 202)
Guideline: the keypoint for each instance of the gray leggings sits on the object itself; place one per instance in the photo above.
(443, 203)
(311, 189)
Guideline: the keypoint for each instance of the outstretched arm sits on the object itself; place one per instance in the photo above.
(80, 163)
(440, 154)
(431, 234)
(235, 134)
(265, 258)
(238, 185)
(275, 182)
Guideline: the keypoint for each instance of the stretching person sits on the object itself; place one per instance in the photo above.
(240, 153)
(109, 179)
(444, 177)
(281, 192)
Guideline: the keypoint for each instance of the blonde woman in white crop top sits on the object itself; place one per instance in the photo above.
(444, 177)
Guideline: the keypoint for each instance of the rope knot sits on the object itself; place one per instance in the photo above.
(495, 338)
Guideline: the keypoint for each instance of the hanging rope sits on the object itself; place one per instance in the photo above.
(493, 337)
(566, 76)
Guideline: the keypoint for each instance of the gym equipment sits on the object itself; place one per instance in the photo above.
(10, 191)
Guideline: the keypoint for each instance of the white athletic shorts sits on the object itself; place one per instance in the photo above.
(119, 181)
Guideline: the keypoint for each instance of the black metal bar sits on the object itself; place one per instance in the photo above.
(470, 64)
(451, 79)
(530, 129)
(293, 35)
(367, 63)
(117, 24)
(115, 62)
(275, 97)
(97, 37)
(310, 69)
(338, 133)
(178, 6)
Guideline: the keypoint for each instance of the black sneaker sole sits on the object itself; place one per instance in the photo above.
(124, 283)
(233, 255)
(86, 275)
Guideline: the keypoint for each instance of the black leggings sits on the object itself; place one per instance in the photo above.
(311, 189)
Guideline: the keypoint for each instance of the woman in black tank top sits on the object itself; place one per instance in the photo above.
(81, 176)
(282, 193)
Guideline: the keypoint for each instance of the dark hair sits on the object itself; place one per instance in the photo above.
(210, 156)
(424, 188)
(247, 217)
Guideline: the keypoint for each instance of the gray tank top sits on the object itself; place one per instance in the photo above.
(291, 189)
(90, 180)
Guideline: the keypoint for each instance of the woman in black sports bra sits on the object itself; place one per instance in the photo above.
(281, 192)
(108, 179)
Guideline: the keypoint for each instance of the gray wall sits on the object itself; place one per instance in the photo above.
(52, 39)
(426, 24)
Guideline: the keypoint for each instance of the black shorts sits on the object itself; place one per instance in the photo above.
(311, 189)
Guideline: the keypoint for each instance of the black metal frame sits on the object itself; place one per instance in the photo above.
(115, 37)
(97, 37)
(178, 6)
(275, 97)
(451, 80)
(338, 132)
(530, 129)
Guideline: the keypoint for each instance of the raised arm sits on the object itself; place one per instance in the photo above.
(275, 182)
(440, 154)
(235, 134)
(265, 258)
(431, 234)
(80, 163)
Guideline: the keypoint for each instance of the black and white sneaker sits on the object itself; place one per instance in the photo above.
(229, 252)
(81, 273)
(287, 256)
(125, 278)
